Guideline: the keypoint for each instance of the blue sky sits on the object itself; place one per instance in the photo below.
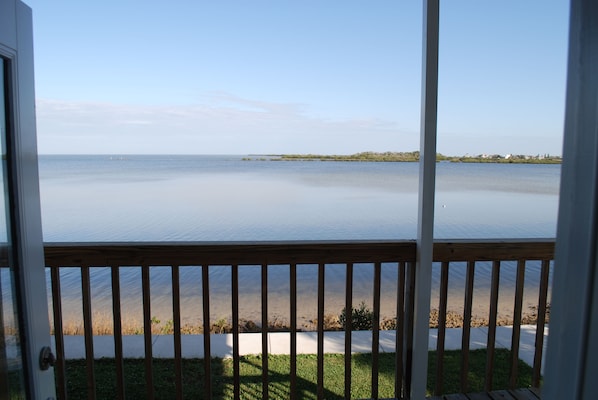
(233, 77)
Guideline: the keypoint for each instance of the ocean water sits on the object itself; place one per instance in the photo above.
(226, 198)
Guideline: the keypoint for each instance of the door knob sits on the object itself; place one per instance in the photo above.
(46, 358)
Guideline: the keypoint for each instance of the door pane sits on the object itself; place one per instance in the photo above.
(11, 365)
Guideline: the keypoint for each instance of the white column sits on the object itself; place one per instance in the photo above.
(572, 357)
(427, 178)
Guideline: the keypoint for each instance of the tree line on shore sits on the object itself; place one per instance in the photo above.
(413, 156)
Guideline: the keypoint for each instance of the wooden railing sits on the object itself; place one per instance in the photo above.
(472, 252)
(296, 255)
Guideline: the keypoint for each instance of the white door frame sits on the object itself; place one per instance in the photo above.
(572, 354)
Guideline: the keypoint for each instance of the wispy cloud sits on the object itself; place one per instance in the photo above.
(224, 123)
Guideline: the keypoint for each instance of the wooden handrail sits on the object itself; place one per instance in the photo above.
(493, 249)
(286, 252)
(227, 253)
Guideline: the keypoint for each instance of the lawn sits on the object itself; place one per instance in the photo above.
(251, 376)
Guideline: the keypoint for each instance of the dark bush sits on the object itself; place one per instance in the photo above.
(362, 318)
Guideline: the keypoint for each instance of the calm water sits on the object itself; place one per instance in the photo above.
(173, 198)
(223, 198)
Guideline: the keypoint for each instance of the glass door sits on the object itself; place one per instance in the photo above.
(11, 363)
(25, 365)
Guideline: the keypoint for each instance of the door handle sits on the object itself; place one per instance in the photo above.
(46, 358)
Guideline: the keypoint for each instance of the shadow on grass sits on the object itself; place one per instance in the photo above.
(278, 376)
(193, 379)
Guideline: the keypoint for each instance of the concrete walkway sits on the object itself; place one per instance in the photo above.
(279, 343)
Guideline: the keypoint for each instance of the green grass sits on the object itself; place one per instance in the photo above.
(251, 376)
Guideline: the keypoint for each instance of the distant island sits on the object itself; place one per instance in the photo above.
(413, 156)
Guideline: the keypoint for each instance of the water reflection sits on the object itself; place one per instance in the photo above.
(209, 198)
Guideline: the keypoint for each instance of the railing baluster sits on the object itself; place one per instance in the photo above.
(265, 391)
(176, 325)
(376, 330)
(235, 317)
(408, 326)
(60, 368)
(147, 330)
(491, 342)
(117, 333)
(541, 320)
(320, 328)
(467, 325)
(517, 322)
(348, 327)
(207, 350)
(293, 333)
(444, 271)
(88, 332)
(399, 331)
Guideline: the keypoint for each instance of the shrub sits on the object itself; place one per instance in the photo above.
(362, 318)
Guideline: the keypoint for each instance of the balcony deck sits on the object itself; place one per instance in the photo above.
(401, 254)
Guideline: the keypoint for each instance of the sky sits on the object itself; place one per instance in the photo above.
(272, 77)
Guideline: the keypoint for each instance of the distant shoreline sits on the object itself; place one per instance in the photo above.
(412, 156)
